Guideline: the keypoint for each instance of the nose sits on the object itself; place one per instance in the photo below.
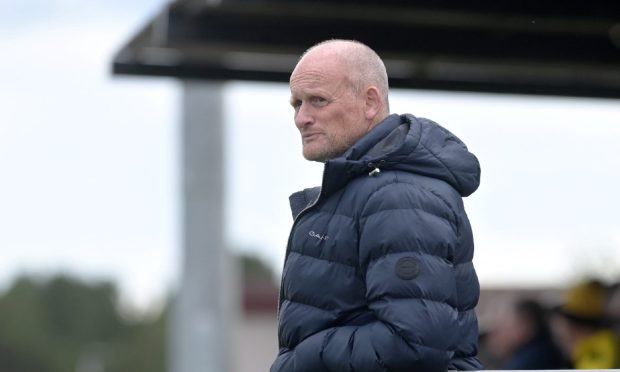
(303, 116)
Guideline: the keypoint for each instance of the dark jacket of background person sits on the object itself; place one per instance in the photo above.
(535, 349)
(378, 274)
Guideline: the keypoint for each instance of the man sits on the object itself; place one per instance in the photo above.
(378, 273)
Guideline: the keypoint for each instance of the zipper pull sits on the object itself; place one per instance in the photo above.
(375, 170)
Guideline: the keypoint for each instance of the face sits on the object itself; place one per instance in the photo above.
(328, 112)
(563, 334)
(510, 332)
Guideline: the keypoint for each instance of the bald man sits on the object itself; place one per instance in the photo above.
(378, 274)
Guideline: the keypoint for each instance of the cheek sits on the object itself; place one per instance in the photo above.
(343, 125)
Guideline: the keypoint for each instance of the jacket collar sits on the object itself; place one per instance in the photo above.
(360, 158)
(405, 143)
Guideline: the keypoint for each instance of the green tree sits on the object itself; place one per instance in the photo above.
(57, 324)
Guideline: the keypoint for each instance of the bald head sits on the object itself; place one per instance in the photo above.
(339, 93)
(363, 66)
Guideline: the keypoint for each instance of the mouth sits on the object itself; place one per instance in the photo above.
(306, 137)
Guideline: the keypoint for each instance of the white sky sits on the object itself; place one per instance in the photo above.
(89, 163)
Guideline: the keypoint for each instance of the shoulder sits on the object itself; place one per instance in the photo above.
(393, 189)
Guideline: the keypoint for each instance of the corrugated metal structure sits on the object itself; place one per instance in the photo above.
(535, 47)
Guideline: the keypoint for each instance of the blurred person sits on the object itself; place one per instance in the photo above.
(378, 272)
(487, 357)
(613, 307)
(582, 329)
(522, 340)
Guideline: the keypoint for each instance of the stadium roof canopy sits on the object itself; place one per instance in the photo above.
(567, 48)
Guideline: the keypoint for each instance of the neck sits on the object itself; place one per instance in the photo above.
(378, 119)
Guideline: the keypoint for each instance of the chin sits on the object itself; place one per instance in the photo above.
(314, 156)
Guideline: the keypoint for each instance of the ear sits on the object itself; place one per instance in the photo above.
(373, 103)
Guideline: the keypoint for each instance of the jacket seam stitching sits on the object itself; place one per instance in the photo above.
(310, 305)
(408, 209)
(324, 259)
(415, 298)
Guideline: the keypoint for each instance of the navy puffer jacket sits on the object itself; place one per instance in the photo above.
(378, 274)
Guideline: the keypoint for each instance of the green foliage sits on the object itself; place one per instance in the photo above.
(255, 269)
(58, 324)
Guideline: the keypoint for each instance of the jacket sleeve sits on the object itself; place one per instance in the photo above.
(407, 237)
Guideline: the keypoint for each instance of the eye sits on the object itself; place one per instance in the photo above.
(318, 101)
(296, 104)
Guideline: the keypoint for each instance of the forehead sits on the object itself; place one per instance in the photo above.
(312, 75)
(310, 79)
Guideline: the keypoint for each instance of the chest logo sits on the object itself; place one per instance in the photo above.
(407, 268)
(318, 236)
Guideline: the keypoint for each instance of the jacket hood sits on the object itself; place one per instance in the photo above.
(416, 145)
(401, 142)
